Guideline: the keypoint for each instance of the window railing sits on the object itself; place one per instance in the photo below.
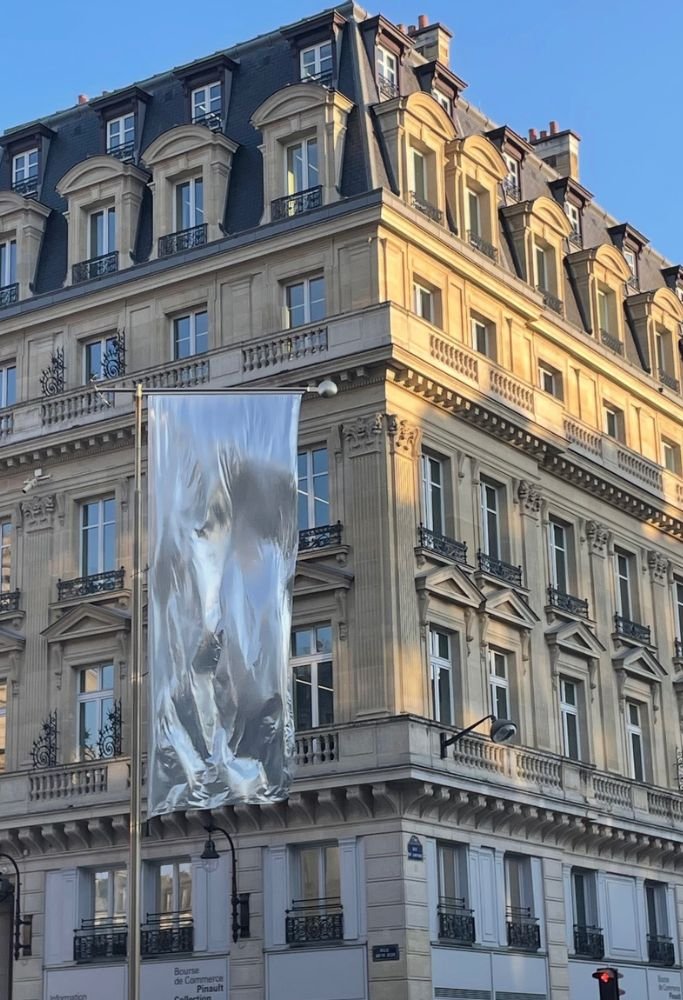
(109, 741)
(96, 583)
(123, 151)
(456, 922)
(9, 600)
(668, 380)
(96, 267)
(9, 294)
(512, 188)
(167, 934)
(588, 941)
(314, 920)
(325, 77)
(27, 187)
(431, 211)
(297, 203)
(499, 568)
(633, 283)
(551, 301)
(212, 119)
(321, 537)
(567, 602)
(482, 245)
(632, 630)
(184, 239)
(609, 340)
(522, 929)
(98, 942)
(576, 237)
(660, 950)
(441, 544)
(386, 88)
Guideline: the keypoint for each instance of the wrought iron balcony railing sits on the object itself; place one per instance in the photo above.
(567, 602)
(668, 380)
(96, 267)
(124, 151)
(184, 239)
(167, 934)
(296, 204)
(588, 941)
(456, 922)
(576, 238)
(96, 583)
(633, 283)
(9, 600)
(632, 630)
(325, 78)
(609, 340)
(442, 544)
(482, 245)
(523, 930)
(53, 378)
(314, 920)
(108, 743)
(320, 537)
(98, 942)
(660, 950)
(386, 88)
(499, 568)
(431, 211)
(512, 188)
(9, 294)
(28, 187)
(551, 301)
(211, 119)
(45, 747)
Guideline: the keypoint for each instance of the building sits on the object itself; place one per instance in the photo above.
(491, 515)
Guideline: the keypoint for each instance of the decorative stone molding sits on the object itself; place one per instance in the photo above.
(405, 437)
(530, 497)
(38, 512)
(597, 535)
(658, 566)
(341, 597)
(364, 434)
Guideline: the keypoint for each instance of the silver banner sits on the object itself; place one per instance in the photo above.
(222, 553)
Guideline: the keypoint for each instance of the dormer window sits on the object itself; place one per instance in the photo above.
(121, 137)
(8, 263)
(607, 318)
(316, 63)
(25, 172)
(541, 268)
(102, 232)
(632, 261)
(573, 213)
(444, 100)
(207, 105)
(302, 166)
(511, 183)
(189, 204)
(387, 74)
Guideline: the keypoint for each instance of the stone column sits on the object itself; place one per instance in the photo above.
(608, 751)
(556, 928)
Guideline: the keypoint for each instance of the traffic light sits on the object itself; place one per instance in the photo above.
(608, 983)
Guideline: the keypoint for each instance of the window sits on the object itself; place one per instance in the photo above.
(207, 103)
(569, 707)
(634, 736)
(312, 677)
(671, 456)
(483, 337)
(3, 724)
(541, 268)
(8, 386)
(511, 184)
(95, 705)
(614, 422)
(656, 907)
(663, 351)
(452, 873)
(624, 563)
(102, 232)
(678, 598)
(302, 166)
(490, 519)
(419, 165)
(584, 898)
(109, 899)
(121, 135)
(444, 100)
(499, 683)
(441, 673)
(432, 470)
(190, 334)
(573, 213)
(174, 890)
(316, 874)
(189, 204)
(98, 356)
(550, 380)
(25, 167)
(518, 887)
(607, 311)
(6, 539)
(474, 218)
(98, 536)
(314, 488)
(8, 263)
(305, 301)
(423, 302)
(387, 68)
(631, 260)
(316, 62)
(559, 552)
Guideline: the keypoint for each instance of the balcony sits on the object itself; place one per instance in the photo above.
(576, 238)
(27, 187)
(210, 119)
(9, 294)
(296, 204)
(431, 211)
(609, 340)
(512, 189)
(96, 267)
(184, 239)
(321, 537)
(124, 151)
(442, 545)
(314, 921)
(456, 922)
(669, 381)
(500, 569)
(567, 602)
(85, 586)
(632, 630)
(660, 950)
(551, 301)
(9, 600)
(167, 934)
(277, 350)
(325, 78)
(633, 284)
(523, 930)
(386, 88)
(588, 941)
(482, 245)
(100, 942)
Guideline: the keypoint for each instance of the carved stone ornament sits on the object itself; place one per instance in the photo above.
(658, 566)
(38, 512)
(597, 534)
(405, 436)
(364, 434)
(530, 497)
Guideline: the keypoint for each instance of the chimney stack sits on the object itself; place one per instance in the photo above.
(559, 150)
(533, 135)
(553, 128)
(433, 41)
(423, 21)
(82, 98)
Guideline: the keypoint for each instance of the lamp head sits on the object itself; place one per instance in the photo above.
(210, 853)
(503, 730)
(327, 388)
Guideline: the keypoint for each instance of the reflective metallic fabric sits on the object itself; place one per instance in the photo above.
(222, 553)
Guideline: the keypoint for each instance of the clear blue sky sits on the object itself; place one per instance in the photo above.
(609, 69)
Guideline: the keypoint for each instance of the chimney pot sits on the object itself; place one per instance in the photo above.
(82, 98)
(533, 135)
(544, 134)
(423, 21)
(553, 128)
(411, 29)
(402, 28)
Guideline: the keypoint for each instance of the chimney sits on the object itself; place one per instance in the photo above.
(82, 98)
(433, 41)
(544, 134)
(559, 150)
(423, 21)
(533, 135)
(553, 128)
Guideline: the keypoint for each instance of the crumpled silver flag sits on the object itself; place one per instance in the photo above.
(222, 553)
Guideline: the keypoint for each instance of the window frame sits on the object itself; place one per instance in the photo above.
(317, 60)
(176, 910)
(570, 710)
(443, 100)
(6, 554)
(657, 908)
(420, 293)
(6, 382)
(113, 916)
(573, 213)
(196, 213)
(322, 864)
(192, 317)
(589, 897)
(438, 667)
(612, 412)
(103, 698)
(541, 274)
(678, 608)
(101, 527)
(635, 735)
(625, 602)
(555, 380)
(313, 660)
(494, 551)
(109, 223)
(554, 525)
(306, 167)
(428, 486)
(524, 878)
(120, 121)
(474, 220)
(4, 696)
(479, 323)
(672, 464)
(386, 65)
(8, 263)
(311, 478)
(105, 342)
(209, 111)
(23, 163)
(457, 877)
(499, 682)
(307, 302)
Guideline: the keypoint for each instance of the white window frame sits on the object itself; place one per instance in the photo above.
(439, 665)
(4, 687)
(473, 200)
(525, 899)
(443, 99)
(433, 506)
(549, 380)
(192, 317)
(310, 481)
(634, 736)
(623, 565)
(101, 525)
(305, 146)
(421, 189)
(590, 917)
(678, 608)
(631, 259)
(541, 269)
(4, 380)
(613, 415)
(513, 177)
(106, 344)
(481, 326)
(569, 711)
(112, 916)
(455, 867)
(318, 60)
(107, 214)
(306, 284)
(387, 66)
(25, 163)
(658, 893)
(573, 213)
(424, 302)
(213, 105)
(121, 121)
(561, 585)
(196, 215)
(671, 456)
(6, 549)
(499, 682)
(168, 916)
(605, 311)
(103, 698)
(313, 660)
(8, 263)
(491, 546)
(322, 876)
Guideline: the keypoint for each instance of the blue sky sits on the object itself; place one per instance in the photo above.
(609, 69)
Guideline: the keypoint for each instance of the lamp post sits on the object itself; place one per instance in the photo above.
(502, 731)
(238, 900)
(19, 947)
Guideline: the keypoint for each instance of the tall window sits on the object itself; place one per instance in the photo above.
(3, 723)
(174, 890)
(316, 61)
(613, 422)
(656, 907)
(189, 204)
(102, 232)
(423, 302)
(518, 886)
(559, 555)
(25, 167)
(190, 334)
(313, 488)
(631, 260)
(302, 166)
(624, 566)
(441, 671)
(663, 350)
(483, 337)
(312, 676)
(573, 213)
(95, 703)
(499, 683)
(316, 874)
(6, 541)
(490, 519)
(8, 385)
(569, 707)
(98, 536)
(634, 736)
(110, 896)
(678, 606)
(452, 871)
(671, 456)
(8, 263)
(387, 67)
(605, 311)
(305, 301)
(541, 266)
(444, 100)
(97, 355)
(121, 134)
(207, 102)
(420, 185)
(585, 898)
(512, 181)
(474, 219)
(432, 470)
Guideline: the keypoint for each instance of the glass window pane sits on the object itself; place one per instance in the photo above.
(316, 287)
(201, 332)
(295, 168)
(312, 156)
(326, 702)
(296, 304)
(302, 642)
(111, 231)
(101, 901)
(303, 706)
(182, 192)
(184, 886)
(165, 888)
(181, 329)
(90, 680)
(445, 714)
(309, 862)
(323, 639)
(120, 894)
(501, 704)
(107, 677)
(88, 724)
(198, 202)
(332, 889)
(320, 463)
(96, 234)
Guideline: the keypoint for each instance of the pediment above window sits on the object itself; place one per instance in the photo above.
(311, 580)
(427, 113)
(86, 621)
(435, 76)
(649, 311)
(10, 641)
(575, 638)
(639, 663)
(509, 607)
(602, 267)
(481, 154)
(186, 141)
(449, 584)
(97, 172)
(298, 100)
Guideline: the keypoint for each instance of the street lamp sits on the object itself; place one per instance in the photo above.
(239, 900)
(502, 731)
(21, 937)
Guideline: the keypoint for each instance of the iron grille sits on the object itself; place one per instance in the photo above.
(552, 301)
(96, 583)
(567, 602)
(108, 743)
(97, 942)
(512, 188)
(52, 379)
(668, 380)
(633, 283)
(499, 568)
(632, 630)
(296, 204)
(325, 78)
(660, 950)
(386, 88)
(314, 920)
(320, 537)
(211, 119)
(442, 545)
(609, 340)
(167, 934)
(576, 238)
(44, 749)
(9, 600)
(27, 187)
(456, 922)
(588, 941)
(125, 151)
(114, 358)
(9, 294)
(482, 245)
(431, 211)
(184, 239)
(523, 930)
(96, 267)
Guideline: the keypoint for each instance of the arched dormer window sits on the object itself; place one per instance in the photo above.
(538, 229)
(22, 224)
(656, 318)
(599, 275)
(474, 173)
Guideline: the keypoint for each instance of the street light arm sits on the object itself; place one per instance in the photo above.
(234, 896)
(449, 741)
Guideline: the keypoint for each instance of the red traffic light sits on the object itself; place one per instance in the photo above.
(608, 981)
(606, 976)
